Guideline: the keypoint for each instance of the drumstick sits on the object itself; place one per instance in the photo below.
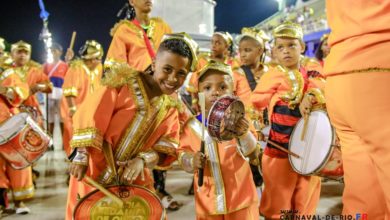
(203, 111)
(104, 191)
(306, 121)
(283, 149)
(72, 40)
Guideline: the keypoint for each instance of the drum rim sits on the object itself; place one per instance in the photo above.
(25, 116)
(322, 165)
(131, 185)
(235, 99)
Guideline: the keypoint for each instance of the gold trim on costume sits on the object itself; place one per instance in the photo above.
(164, 145)
(247, 144)
(186, 161)
(23, 193)
(87, 137)
(70, 91)
(320, 97)
(211, 150)
(296, 82)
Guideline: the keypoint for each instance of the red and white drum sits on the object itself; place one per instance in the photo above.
(139, 203)
(318, 151)
(22, 141)
(223, 115)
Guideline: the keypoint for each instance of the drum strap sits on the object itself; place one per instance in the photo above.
(249, 76)
(148, 44)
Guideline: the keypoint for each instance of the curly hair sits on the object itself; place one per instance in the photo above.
(176, 46)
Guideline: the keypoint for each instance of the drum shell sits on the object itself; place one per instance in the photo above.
(26, 145)
(90, 206)
(326, 161)
(217, 114)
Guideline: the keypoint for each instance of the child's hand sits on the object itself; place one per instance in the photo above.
(242, 126)
(306, 104)
(199, 160)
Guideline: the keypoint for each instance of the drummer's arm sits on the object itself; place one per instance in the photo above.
(249, 147)
(13, 89)
(266, 89)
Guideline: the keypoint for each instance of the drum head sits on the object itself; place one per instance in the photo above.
(139, 203)
(10, 128)
(316, 147)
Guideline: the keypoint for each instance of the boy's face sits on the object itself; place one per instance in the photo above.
(170, 71)
(142, 5)
(56, 54)
(21, 57)
(325, 48)
(287, 52)
(250, 51)
(92, 63)
(218, 46)
(214, 85)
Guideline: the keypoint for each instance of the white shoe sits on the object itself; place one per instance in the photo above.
(22, 210)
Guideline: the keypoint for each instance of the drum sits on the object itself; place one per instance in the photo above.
(34, 113)
(22, 141)
(139, 204)
(318, 151)
(223, 116)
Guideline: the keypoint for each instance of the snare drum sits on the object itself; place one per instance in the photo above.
(223, 116)
(139, 203)
(22, 141)
(318, 151)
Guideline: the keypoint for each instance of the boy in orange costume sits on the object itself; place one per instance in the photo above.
(228, 191)
(30, 73)
(133, 113)
(136, 38)
(12, 93)
(357, 99)
(81, 80)
(288, 93)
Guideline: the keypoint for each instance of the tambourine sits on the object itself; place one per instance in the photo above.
(223, 116)
(138, 203)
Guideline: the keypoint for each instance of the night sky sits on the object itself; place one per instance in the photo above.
(93, 19)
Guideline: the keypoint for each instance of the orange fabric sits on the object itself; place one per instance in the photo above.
(249, 213)
(19, 181)
(34, 75)
(240, 191)
(272, 86)
(111, 111)
(77, 78)
(287, 190)
(360, 35)
(128, 44)
(359, 109)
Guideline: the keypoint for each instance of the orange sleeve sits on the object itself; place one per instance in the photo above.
(19, 89)
(118, 49)
(266, 88)
(71, 82)
(93, 117)
(241, 88)
(189, 145)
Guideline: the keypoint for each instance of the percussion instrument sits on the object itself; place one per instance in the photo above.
(34, 113)
(223, 116)
(139, 203)
(316, 147)
(22, 141)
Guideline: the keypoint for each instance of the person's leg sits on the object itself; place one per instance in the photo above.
(279, 185)
(358, 107)
(249, 213)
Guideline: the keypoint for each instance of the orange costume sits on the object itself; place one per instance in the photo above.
(128, 44)
(357, 96)
(20, 181)
(281, 90)
(121, 114)
(79, 83)
(228, 191)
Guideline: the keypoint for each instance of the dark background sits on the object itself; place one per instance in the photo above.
(93, 19)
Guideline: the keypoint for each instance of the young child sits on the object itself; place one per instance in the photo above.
(288, 93)
(228, 191)
(133, 113)
(81, 80)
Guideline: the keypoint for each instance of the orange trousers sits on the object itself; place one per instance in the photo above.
(286, 191)
(19, 181)
(249, 213)
(359, 107)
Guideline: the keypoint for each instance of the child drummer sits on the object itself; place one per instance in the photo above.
(288, 94)
(228, 191)
(133, 115)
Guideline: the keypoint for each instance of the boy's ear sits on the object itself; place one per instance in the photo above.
(303, 46)
(153, 65)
